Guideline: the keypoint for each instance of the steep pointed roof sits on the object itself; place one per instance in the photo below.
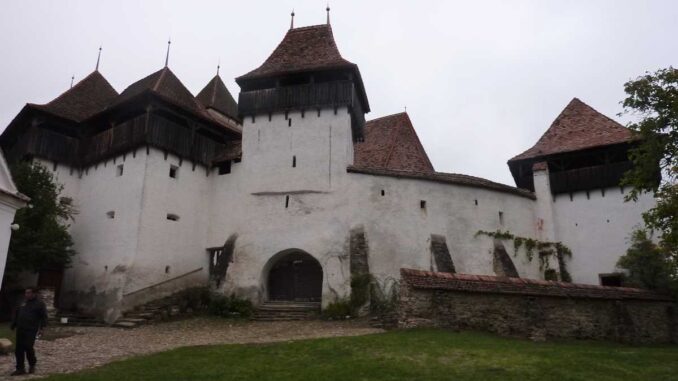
(166, 85)
(392, 143)
(577, 127)
(89, 96)
(302, 49)
(215, 95)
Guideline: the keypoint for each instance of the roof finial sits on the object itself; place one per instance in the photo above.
(328, 13)
(292, 22)
(98, 59)
(72, 78)
(218, 66)
(169, 42)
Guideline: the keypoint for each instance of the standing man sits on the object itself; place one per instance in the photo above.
(29, 320)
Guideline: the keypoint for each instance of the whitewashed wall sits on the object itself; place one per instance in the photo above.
(9, 203)
(597, 229)
(141, 248)
(325, 202)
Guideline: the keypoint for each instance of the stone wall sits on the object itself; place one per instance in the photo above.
(535, 309)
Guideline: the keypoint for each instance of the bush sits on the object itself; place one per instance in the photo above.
(230, 306)
(384, 297)
(196, 299)
(649, 265)
(338, 310)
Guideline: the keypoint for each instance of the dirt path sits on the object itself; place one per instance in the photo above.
(91, 347)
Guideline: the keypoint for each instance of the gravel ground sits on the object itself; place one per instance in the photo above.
(89, 347)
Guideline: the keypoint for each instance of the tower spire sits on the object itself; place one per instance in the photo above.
(72, 78)
(328, 13)
(98, 59)
(292, 22)
(169, 42)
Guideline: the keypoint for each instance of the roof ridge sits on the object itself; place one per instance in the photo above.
(317, 26)
(156, 85)
(214, 89)
(420, 146)
(77, 85)
(598, 112)
(387, 116)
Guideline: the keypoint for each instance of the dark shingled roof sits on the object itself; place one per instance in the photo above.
(166, 85)
(520, 286)
(86, 98)
(445, 178)
(302, 49)
(391, 142)
(216, 96)
(577, 127)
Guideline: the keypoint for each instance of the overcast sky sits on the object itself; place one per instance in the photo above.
(482, 80)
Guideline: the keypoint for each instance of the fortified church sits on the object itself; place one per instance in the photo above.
(289, 193)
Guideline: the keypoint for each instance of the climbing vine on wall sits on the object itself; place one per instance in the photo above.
(544, 248)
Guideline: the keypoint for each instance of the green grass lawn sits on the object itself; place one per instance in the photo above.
(400, 355)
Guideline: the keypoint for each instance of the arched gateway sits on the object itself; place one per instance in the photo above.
(294, 275)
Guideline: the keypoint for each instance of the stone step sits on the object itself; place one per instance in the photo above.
(287, 311)
(124, 324)
(132, 320)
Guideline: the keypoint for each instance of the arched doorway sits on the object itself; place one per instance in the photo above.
(295, 276)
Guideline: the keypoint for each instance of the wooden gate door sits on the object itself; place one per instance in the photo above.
(297, 277)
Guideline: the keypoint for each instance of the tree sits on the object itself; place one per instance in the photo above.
(653, 98)
(647, 264)
(42, 240)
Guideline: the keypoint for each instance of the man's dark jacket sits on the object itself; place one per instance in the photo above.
(30, 316)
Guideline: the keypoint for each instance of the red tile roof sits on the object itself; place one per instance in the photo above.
(392, 143)
(520, 286)
(302, 49)
(577, 127)
(86, 98)
(445, 178)
(215, 95)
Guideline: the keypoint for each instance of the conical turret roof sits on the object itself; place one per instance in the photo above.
(215, 95)
(390, 142)
(166, 85)
(577, 127)
(302, 49)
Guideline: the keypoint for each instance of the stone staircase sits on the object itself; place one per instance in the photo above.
(154, 311)
(157, 310)
(77, 319)
(284, 310)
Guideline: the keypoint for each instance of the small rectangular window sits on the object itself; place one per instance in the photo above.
(287, 201)
(225, 167)
(422, 204)
(172, 217)
(383, 192)
(501, 218)
(611, 280)
(294, 161)
(119, 170)
(174, 171)
(110, 214)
